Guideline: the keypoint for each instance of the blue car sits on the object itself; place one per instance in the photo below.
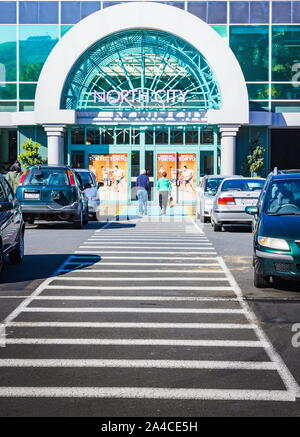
(276, 228)
(53, 193)
(12, 226)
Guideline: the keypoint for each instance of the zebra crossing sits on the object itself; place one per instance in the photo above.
(150, 311)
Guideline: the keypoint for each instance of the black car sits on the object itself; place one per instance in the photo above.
(11, 225)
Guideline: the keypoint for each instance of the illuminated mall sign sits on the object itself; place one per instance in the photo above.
(138, 95)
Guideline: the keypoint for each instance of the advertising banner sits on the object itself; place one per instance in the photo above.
(112, 170)
(187, 168)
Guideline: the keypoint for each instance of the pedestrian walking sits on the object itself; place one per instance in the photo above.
(14, 174)
(142, 188)
(164, 188)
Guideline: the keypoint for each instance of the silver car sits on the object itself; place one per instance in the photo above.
(207, 191)
(91, 189)
(233, 195)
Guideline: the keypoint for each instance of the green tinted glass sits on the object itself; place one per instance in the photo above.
(285, 92)
(8, 106)
(285, 53)
(250, 46)
(221, 30)
(8, 91)
(65, 28)
(36, 42)
(8, 60)
(27, 91)
(259, 91)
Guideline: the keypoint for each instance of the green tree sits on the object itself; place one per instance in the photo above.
(255, 159)
(31, 155)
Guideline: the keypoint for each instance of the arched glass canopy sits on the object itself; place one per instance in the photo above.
(141, 70)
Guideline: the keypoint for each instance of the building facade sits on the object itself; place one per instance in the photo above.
(120, 86)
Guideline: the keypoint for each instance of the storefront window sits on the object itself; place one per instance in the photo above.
(8, 91)
(161, 135)
(250, 45)
(259, 91)
(36, 42)
(285, 53)
(285, 107)
(176, 135)
(207, 135)
(77, 136)
(88, 8)
(92, 136)
(8, 59)
(27, 91)
(192, 136)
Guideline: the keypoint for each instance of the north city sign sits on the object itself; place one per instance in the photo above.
(138, 95)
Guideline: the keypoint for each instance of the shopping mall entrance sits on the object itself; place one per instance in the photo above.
(118, 154)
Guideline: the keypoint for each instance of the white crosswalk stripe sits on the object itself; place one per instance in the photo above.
(148, 298)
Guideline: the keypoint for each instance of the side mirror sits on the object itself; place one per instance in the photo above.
(212, 192)
(100, 184)
(6, 206)
(252, 210)
(87, 185)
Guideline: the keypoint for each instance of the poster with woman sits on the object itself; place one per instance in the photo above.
(112, 170)
(187, 167)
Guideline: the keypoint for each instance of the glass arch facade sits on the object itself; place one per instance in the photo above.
(141, 69)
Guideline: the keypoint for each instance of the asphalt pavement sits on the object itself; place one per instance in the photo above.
(145, 317)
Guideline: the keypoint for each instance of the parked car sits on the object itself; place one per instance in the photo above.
(207, 191)
(12, 226)
(276, 229)
(232, 196)
(91, 188)
(53, 193)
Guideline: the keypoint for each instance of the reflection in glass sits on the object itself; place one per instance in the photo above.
(285, 53)
(250, 45)
(8, 59)
(8, 91)
(36, 42)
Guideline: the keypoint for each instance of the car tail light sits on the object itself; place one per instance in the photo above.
(71, 178)
(226, 201)
(22, 179)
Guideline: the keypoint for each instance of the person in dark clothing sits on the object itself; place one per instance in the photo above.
(142, 187)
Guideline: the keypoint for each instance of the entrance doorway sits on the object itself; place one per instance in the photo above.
(289, 141)
(118, 154)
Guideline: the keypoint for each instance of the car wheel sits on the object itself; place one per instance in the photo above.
(94, 215)
(217, 228)
(16, 255)
(86, 217)
(261, 281)
(78, 223)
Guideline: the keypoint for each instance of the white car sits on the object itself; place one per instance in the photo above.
(91, 190)
(231, 199)
(206, 193)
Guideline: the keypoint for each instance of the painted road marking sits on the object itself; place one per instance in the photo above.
(137, 325)
(133, 310)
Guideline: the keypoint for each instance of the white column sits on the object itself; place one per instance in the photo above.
(55, 143)
(228, 148)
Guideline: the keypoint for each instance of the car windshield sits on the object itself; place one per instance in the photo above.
(283, 197)
(86, 177)
(212, 184)
(47, 176)
(242, 185)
